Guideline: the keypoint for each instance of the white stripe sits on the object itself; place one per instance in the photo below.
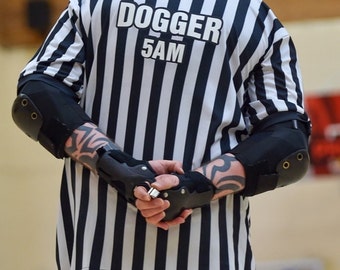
(230, 230)
(91, 220)
(142, 115)
(150, 247)
(108, 78)
(109, 228)
(126, 87)
(62, 244)
(215, 236)
(163, 110)
(194, 243)
(129, 237)
(172, 248)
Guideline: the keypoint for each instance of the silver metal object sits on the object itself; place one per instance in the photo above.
(154, 193)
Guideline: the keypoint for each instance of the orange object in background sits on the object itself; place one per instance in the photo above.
(324, 111)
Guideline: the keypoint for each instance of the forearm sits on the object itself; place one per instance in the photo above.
(81, 146)
(226, 173)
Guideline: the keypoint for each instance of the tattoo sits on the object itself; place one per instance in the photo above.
(84, 142)
(223, 176)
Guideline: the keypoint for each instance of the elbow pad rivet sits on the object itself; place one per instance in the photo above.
(24, 102)
(34, 115)
(286, 165)
(299, 156)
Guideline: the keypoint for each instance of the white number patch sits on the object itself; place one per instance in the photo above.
(163, 50)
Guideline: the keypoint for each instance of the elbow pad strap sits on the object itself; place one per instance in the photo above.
(274, 157)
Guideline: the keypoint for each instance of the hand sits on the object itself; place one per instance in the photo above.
(166, 166)
(154, 209)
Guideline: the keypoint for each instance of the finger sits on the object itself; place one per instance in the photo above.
(165, 225)
(149, 209)
(166, 166)
(152, 204)
(141, 193)
(175, 222)
(181, 218)
(175, 166)
(165, 181)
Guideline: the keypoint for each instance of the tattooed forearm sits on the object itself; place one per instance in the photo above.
(226, 173)
(83, 143)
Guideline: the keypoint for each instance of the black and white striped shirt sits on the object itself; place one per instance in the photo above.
(165, 79)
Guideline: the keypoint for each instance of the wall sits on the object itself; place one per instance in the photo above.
(300, 221)
(303, 220)
(18, 27)
(14, 16)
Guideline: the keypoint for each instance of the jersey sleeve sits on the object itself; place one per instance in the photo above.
(276, 83)
(61, 57)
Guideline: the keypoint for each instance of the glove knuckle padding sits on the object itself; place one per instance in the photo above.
(274, 157)
(123, 172)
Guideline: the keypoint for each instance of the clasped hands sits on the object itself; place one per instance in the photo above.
(179, 191)
(153, 210)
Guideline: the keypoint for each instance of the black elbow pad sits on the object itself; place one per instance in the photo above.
(47, 115)
(274, 156)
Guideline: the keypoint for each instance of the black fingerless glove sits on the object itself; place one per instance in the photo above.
(123, 172)
(194, 190)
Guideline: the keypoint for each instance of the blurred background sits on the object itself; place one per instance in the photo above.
(295, 228)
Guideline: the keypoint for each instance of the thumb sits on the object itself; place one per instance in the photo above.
(165, 181)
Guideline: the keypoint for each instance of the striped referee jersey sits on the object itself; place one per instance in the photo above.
(164, 79)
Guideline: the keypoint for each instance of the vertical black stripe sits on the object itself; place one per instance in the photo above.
(134, 95)
(219, 106)
(117, 82)
(221, 92)
(101, 54)
(162, 242)
(183, 245)
(67, 216)
(205, 237)
(137, 78)
(293, 67)
(139, 245)
(225, 140)
(236, 229)
(83, 209)
(279, 75)
(156, 87)
(174, 102)
(177, 92)
(199, 91)
(57, 256)
(153, 109)
(99, 234)
(116, 262)
(223, 236)
(248, 254)
(252, 45)
(237, 25)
